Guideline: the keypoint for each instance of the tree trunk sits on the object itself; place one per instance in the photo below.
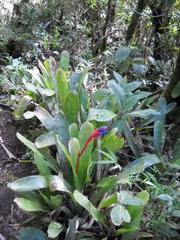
(142, 4)
(110, 16)
(173, 82)
(160, 22)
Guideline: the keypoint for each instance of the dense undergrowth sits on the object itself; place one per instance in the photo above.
(107, 159)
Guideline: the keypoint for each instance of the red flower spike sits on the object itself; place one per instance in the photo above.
(95, 134)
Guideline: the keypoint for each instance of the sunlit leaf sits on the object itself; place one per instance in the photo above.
(100, 115)
(54, 229)
(31, 183)
(84, 202)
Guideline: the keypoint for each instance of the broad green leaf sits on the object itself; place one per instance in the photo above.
(31, 233)
(74, 149)
(119, 214)
(176, 91)
(133, 201)
(45, 118)
(135, 212)
(84, 202)
(100, 115)
(85, 99)
(22, 106)
(82, 77)
(119, 78)
(122, 54)
(117, 91)
(112, 141)
(72, 106)
(58, 183)
(64, 61)
(100, 94)
(73, 130)
(143, 113)
(54, 229)
(109, 201)
(159, 135)
(62, 86)
(128, 88)
(31, 183)
(130, 102)
(85, 131)
(41, 164)
(29, 205)
(142, 163)
(45, 140)
(110, 103)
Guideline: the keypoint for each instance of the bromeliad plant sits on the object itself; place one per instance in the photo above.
(75, 156)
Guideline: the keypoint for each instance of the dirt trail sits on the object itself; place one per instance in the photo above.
(10, 169)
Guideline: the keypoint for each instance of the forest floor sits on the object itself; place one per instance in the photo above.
(10, 169)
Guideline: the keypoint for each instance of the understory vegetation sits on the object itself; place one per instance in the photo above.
(96, 88)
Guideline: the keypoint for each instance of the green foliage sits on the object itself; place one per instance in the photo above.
(68, 120)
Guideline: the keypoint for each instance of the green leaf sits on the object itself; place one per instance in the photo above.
(133, 201)
(22, 106)
(109, 201)
(119, 215)
(83, 75)
(128, 88)
(74, 149)
(29, 205)
(127, 229)
(119, 78)
(128, 134)
(26, 142)
(112, 142)
(31, 233)
(135, 212)
(85, 99)
(84, 202)
(117, 91)
(159, 135)
(72, 106)
(56, 201)
(176, 91)
(45, 118)
(31, 183)
(122, 54)
(142, 163)
(85, 131)
(62, 86)
(54, 229)
(100, 94)
(41, 164)
(46, 140)
(143, 113)
(58, 183)
(100, 115)
(64, 61)
(73, 130)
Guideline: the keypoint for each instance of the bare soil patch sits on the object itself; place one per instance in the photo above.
(11, 168)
